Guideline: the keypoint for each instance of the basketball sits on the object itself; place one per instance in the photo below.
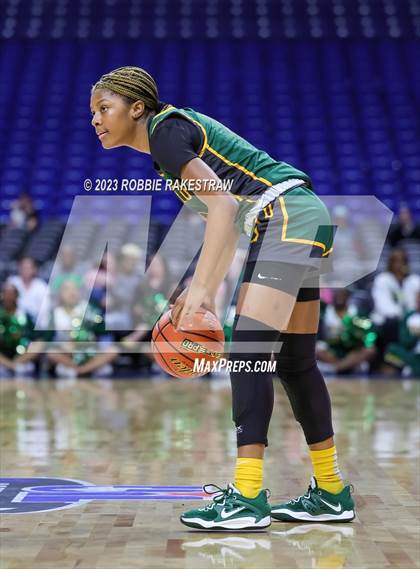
(177, 350)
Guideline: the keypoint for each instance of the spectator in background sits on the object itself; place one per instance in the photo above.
(394, 292)
(347, 242)
(96, 280)
(16, 333)
(150, 301)
(23, 213)
(73, 321)
(33, 292)
(405, 354)
(66, 269)
(347, 234)
(405, 228)
(348, 343)
(121, 295)
(152, 294)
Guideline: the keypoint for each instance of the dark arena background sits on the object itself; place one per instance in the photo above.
(101, 450)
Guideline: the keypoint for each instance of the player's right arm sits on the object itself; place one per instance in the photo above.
(175, 145)
(223, 264)
(215, 281)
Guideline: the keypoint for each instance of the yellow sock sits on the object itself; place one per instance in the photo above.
(335, 561)
(326, 469)
(249, 476)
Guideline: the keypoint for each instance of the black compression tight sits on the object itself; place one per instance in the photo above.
(305, 386)
(252, 391)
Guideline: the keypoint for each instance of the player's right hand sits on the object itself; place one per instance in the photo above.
(208, 304)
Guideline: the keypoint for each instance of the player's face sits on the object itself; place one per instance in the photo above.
(111, 119)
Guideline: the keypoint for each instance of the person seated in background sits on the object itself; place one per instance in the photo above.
(33, 292)
(96, 280)
(405, 228)
(121, 295)
(66, 269)
(16, 333)
(152, 294)
(23, 214)
(393, 292)
(347, 238)
(404, 355)
(150, 301)
(75, 321)
(348, 341)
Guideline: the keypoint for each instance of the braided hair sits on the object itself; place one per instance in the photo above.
(133, 84)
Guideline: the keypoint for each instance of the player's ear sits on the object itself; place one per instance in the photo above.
(137, 109)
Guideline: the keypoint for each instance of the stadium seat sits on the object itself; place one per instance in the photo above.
(341, 107)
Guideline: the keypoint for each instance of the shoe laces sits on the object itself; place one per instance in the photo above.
(299, 498)
(219, 495)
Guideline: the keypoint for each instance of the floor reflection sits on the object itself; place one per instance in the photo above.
(319, 546)
(229, 550)
(180, 433)
(326, 546)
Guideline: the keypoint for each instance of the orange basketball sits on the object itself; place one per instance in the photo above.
(177, 350)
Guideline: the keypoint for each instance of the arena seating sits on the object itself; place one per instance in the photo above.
(329, 86)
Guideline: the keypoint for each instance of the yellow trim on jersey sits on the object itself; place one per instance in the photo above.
(295, 239)
(256, 233)
(242, 199)
(183, 194)
(169, 108)
(204, 146)
(239, 166)
(268, 211)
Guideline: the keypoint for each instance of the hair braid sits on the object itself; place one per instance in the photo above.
(134, 83)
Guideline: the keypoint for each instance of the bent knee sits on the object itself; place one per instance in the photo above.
(294, 366)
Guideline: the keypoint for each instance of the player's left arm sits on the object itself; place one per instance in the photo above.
(220, 239)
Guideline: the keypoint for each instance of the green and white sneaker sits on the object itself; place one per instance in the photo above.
(317, 505)
(230, 510)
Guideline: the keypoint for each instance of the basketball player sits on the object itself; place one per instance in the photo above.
(290, 237)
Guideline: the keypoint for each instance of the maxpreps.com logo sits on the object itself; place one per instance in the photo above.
(28, 495)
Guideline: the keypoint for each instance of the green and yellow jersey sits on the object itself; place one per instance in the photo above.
(178, 135)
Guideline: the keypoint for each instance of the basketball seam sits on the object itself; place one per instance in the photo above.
(171, 371)
(176, 350)
(156, 326)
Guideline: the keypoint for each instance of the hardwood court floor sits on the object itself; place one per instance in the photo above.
(179, 433)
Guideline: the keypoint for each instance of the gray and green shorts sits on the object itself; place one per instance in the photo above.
(295, 227)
